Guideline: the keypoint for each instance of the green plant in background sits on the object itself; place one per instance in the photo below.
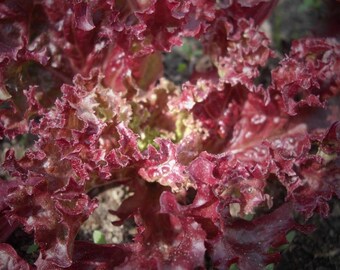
(32, 249)
(268, 267)
(309, 4)
(98, 237)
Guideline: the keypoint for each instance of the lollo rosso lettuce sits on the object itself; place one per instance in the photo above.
(217, 167)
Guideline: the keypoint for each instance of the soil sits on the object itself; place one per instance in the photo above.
(101, 219)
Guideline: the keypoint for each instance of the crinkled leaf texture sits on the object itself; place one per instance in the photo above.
(83, 104)
(9, 259)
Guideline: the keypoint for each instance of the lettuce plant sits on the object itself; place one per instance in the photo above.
(218, 167)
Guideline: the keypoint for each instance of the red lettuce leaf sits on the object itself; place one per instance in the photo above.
(163, 167)
(309, 75)
(56, 216)
(9, 259)
(83, 81)
(252, 244)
